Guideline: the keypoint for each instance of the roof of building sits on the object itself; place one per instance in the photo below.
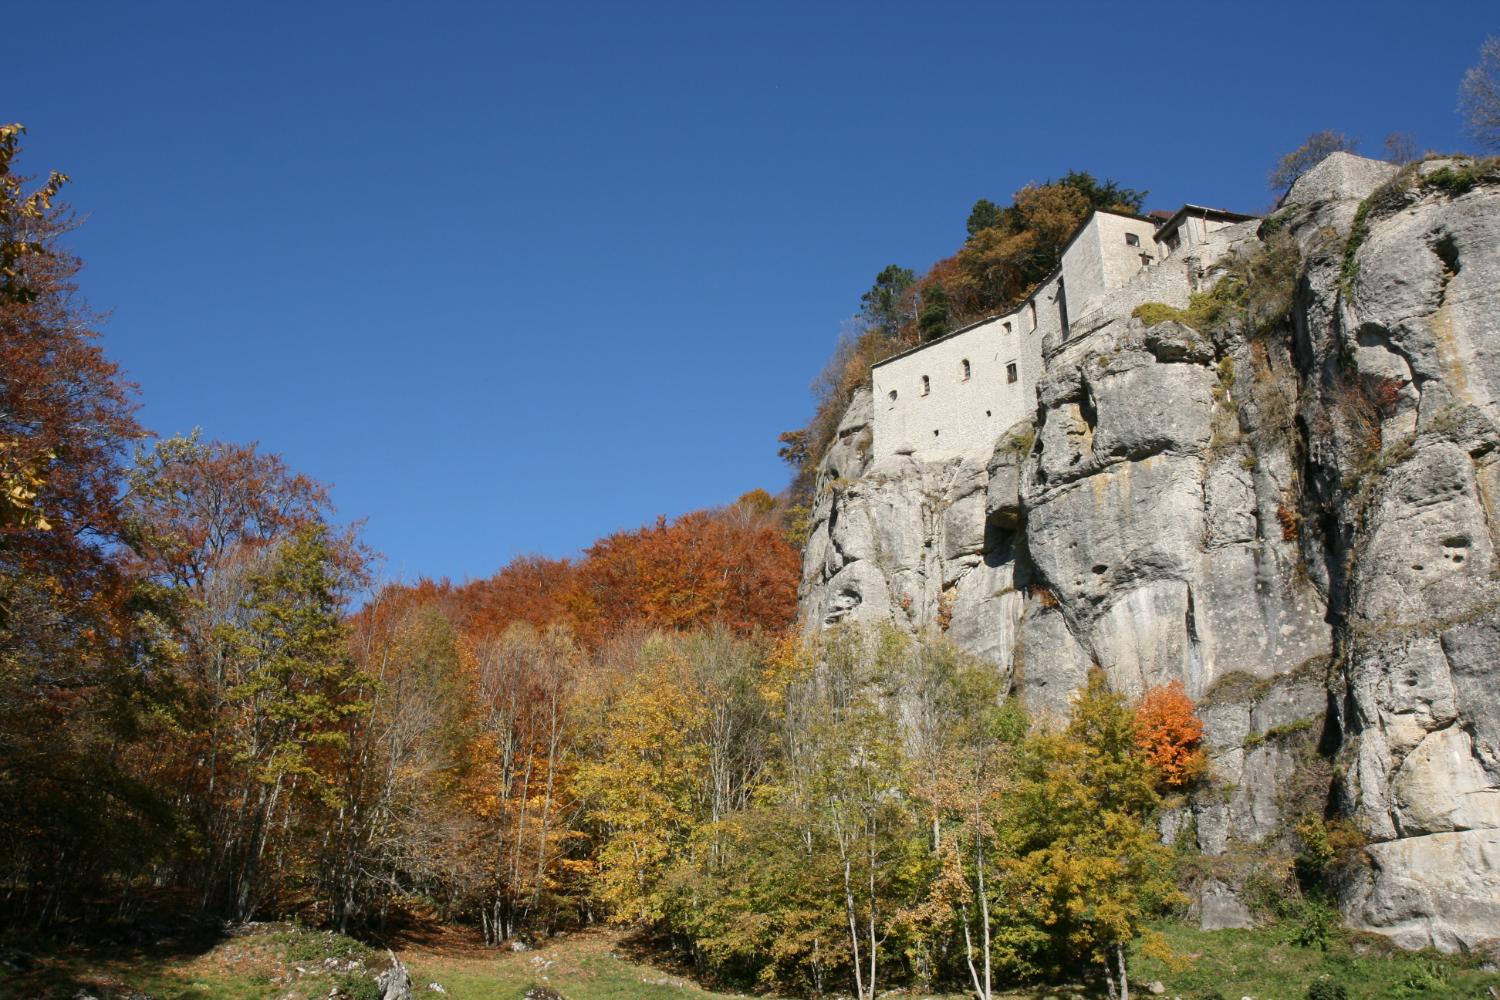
(1068, 244)
(1202, 212)
(1163, 229)
(1032, 295)
(938, 340)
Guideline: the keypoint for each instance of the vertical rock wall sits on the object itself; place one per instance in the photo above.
(1298, 523)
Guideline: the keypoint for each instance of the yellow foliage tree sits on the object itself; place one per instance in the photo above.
(640, 780)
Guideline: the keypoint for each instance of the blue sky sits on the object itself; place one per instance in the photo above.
(515, 276)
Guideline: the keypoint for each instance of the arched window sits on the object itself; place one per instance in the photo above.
(1031, 315)
(926, 385)
(893, 395)
(963, 367)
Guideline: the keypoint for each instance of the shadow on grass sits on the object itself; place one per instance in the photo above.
(656, 951)
(70, 960)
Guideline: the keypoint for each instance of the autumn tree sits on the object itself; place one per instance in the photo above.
(732, 567)
(192, 505)
(846, 768)
(524, 679)
(27, 221)
(1085, 863)
(73, 628)
(203, 521)
(530, 589)
(966, 736)
(1318, 147)
(397, 832)
(641, 769)
(1479, 96)
(1401, 148)
(294, 687)
(1170, 734)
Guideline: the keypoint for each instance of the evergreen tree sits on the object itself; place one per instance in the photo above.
(887, 305)
(933, 322)
(984, 215)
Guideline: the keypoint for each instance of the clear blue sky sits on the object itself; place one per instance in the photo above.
(514, 276)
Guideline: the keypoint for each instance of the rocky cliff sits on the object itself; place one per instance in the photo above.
(1281, 494)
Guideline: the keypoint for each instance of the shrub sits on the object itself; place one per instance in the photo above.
(1153, 313)
(1462, 180)
(1328, 846)
(1313, 924)
(1019, 443)
(1290, 522)
(1421, 981)
(1385, 393)
(1358, 232)
(1044, 595)
(357, 985)
(1327, 989)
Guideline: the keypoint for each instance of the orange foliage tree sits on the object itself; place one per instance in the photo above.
(1170, 734)
(530, 589)
(732, 567)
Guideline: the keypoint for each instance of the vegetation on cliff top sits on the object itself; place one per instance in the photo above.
(1009, 250)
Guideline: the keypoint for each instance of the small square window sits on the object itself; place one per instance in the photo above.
(1010, 372)
(1132, 240)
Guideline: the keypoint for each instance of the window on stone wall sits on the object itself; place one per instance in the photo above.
(1132, 240)
(1031, 315)
(892, 394)
(1062, 306)
(1006, 324)
(1010, 372)
(926, 385)
(963, 367)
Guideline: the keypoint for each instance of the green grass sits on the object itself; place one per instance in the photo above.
(1266, 963)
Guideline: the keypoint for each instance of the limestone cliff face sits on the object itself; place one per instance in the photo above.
(1297, 523)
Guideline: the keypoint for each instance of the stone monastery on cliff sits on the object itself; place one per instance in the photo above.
(961, 391)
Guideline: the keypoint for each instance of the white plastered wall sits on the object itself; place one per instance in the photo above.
(956, 414)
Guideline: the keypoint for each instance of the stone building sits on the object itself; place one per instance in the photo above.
(961, 391)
